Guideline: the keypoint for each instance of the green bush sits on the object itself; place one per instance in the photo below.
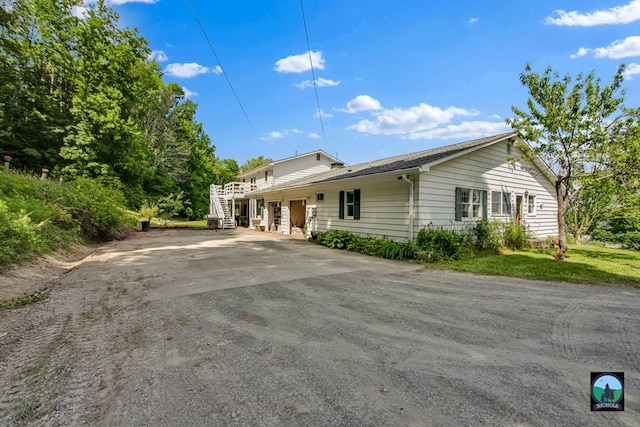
(390, 249)
(18, 235)
(485, 236)
(37, 216)
(438, 244)
(514, 236)
(336, 239)
(632, 239)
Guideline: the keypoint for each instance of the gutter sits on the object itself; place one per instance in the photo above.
(406, 179)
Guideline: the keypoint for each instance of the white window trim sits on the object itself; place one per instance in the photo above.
(346, 204)
(530, 197)
(501, 213)
(470, 205)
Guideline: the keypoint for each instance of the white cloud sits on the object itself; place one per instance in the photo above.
(616, 50)
(158, 55)
(472, 21)
(324, 114)
(320, 82)
(362, 103)
(300, 63)
(281, 134)
(119, 2)
(80, 11)
(314, 135)
(272, 135)
(631, 70)
(464, 130)
(620, 49)
(398, 121)
(581, 52)
(190, 69)
(615, 15)
(188, 93)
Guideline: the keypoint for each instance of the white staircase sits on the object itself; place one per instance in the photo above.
(219, 208)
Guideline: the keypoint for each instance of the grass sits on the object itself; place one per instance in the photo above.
(589, 264)
(25, 299)
(178, 223)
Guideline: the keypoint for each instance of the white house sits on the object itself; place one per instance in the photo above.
(232, 203)
(451, 186)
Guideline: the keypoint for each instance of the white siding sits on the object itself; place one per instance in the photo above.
(384, 207)
(486, 169)
(300, 167)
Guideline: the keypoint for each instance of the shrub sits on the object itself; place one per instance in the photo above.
(514, 236)
(37, 215)
(18, 235)
(336, 239)
(485, 236)
(438, 244)
(390, 249)
(632, 239)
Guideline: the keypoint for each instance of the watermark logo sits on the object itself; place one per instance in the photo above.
(607, 391)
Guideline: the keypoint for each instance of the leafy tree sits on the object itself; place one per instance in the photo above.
(254, 163)
(226, 171)
(80, 98)
(582, 131)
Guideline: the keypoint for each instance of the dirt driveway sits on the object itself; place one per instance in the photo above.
(245, 328)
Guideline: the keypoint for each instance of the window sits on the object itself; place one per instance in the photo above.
(319, 197)
(500, 203)
(318, 156)
(266, 175)
(259, 207)
(349, 204)
(471, 204)
(531, 205)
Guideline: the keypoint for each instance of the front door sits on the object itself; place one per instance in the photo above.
(518, 210)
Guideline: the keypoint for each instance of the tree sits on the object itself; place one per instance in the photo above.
(254, 163)
(582, 131)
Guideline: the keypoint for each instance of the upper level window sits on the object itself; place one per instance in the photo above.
(471, 204)
(500, 203)
(266, 175)
(318, 156)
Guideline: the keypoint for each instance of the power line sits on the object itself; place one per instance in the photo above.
(313, 74)
(224, 73)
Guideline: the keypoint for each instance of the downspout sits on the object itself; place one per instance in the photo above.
(405, 179)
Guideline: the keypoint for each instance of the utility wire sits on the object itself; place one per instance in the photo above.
(224, 73)
(313, 74)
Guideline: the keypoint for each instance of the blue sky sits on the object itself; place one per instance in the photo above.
(393, 77)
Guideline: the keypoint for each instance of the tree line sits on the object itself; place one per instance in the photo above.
(79, 97)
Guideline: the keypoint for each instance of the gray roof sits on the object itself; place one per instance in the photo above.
(391, 164)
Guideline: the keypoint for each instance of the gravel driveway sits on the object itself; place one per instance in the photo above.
(235, 327)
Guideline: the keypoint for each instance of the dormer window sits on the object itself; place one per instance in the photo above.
(318, 156)
(266, 175)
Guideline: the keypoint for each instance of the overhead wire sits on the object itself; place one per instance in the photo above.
(313, 74)
(224, 73)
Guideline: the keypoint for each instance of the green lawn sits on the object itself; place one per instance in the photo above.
(178, 223)
(584, 264)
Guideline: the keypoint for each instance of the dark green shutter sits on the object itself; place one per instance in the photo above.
(356, 204)
(485, 208)
(341, 206)
(458, 204)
